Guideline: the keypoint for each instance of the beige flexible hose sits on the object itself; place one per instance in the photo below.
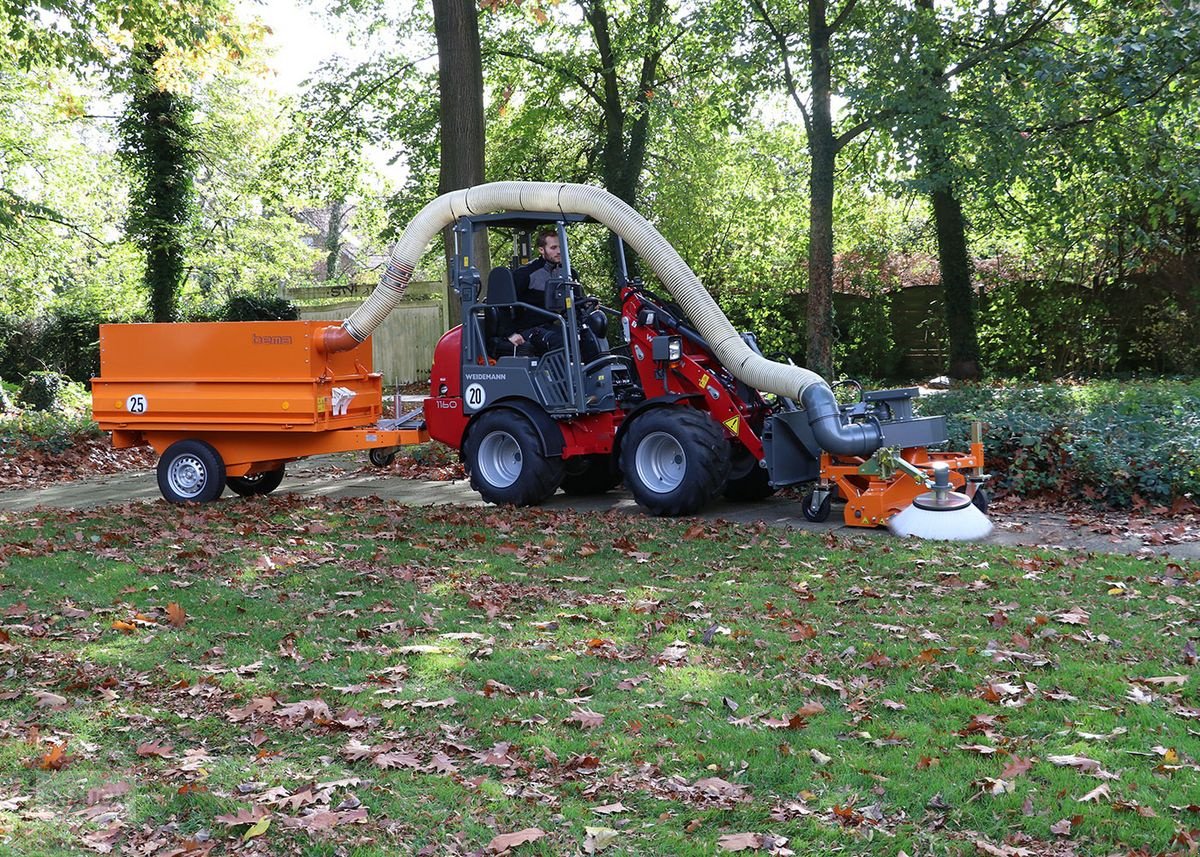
(676, 276)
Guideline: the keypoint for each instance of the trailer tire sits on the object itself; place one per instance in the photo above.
(504, 458)
(598, 474)
(191, 471)
(981, 500)
(258, 485)
(675, 460)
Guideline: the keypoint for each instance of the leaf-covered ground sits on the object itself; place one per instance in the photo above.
(290, 675)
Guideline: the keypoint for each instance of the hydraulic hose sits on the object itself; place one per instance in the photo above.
(726, 343)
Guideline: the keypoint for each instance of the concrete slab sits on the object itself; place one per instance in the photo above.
(339, 476)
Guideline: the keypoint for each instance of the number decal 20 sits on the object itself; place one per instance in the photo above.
(475, 396)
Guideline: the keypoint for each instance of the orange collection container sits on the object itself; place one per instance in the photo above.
(260, 393)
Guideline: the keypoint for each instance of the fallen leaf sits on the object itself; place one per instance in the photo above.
(1100, 791)
(46, 699)
(610, 808)
(1016, 767)
(598, 838)
(102, 794)
(585, 718)
(505, 841)
(176, 615)
(153, 748)
(1074, 616)
(1062, 827)
(740, 842)
(1082, 762)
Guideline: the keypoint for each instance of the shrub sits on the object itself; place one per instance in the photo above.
(47, 431)
(1116, 445)
(6, 402)
(249, 307)
(42, 390)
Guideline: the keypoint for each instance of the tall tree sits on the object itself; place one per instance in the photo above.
(157, 144)
(460, 108)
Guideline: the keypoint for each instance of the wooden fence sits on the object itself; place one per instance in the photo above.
(402, 346)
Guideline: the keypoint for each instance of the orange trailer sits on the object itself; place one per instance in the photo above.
(233, 402)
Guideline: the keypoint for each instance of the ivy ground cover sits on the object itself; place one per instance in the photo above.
(297, 676)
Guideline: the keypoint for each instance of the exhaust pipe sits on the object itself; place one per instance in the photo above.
(792, 382)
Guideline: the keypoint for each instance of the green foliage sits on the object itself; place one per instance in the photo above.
(6, 399)
(66, 340)
(51, 431)
(41, 390)
(1116, 444)
(248, 307)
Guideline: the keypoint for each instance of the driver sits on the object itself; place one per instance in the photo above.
(536, 333)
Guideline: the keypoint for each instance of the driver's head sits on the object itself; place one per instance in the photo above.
(547, 244)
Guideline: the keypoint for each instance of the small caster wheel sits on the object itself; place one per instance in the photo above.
(817, 513)
(382, 456)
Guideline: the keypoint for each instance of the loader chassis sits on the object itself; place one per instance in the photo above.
(654, 407)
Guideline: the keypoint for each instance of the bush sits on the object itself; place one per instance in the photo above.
(6, 402)
(249, 307)
(47, 431)
(42, 390)
(1114, 444)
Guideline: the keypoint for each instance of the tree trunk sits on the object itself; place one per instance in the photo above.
(333, 239)
(156, 143)
(959, 297)
(460, 78)
(823, 148)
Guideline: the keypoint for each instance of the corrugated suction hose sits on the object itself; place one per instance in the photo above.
(755, 370)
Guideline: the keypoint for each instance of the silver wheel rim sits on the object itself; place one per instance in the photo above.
(500, 459)
(187, 476)
(660, 462)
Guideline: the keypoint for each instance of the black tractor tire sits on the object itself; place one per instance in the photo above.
(675, 460)
(382, 456)
(256, 485)
(981, 500)
(504, 458)
(816, 514)
(598, 475)
(191, 471)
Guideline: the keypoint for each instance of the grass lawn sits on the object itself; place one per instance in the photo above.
(297, 675)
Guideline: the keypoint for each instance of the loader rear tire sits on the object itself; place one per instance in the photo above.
(504, 458)
(191, 471)
(257, 485)
(675, 460)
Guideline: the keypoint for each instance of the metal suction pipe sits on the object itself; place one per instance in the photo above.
(683, 285)
(831, 433)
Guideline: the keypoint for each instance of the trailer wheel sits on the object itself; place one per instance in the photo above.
(382, 456)
(191, 471)
(503, 455)
(676, 460)
(597, 474)
(981, 499)
(818, 514)
(256, 485)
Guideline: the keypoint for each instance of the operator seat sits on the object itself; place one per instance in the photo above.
(500, 316)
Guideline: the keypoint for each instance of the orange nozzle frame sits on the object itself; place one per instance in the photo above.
(335, 338)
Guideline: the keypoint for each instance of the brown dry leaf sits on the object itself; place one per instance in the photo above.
(1002, 850)
(718, 787)
(610, 808)
(102, 794)
(1163, 680)
(740, 842)
(244, 816)
(1062, 827)
(505, 841)
(176, 614)
(803, 632)
(258, 705)
(396, 760)
(810, 709)
(585, 718)
(1016, 767)
(1074, 616)
(1082, 762)
(124, 627)
(1100, 791)
(153, 748)
(46, 699)
(981, 749)
(55, 759)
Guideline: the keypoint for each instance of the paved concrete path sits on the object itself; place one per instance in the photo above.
(323, 476)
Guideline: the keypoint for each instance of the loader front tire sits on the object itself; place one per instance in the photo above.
(191, 471)
(504, 458)
(675, 460)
